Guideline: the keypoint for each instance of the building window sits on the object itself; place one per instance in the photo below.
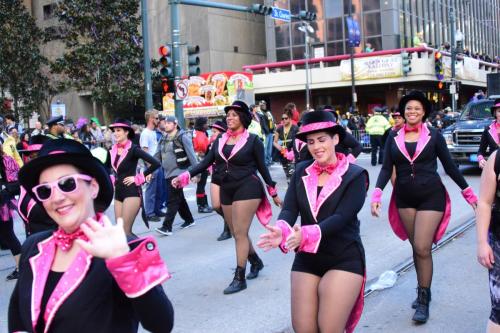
(372, 25)
(283, 54)
(282, 35)
(49, 11)
(376, 42)
(334, 31)
(335, 48)
(371, 5)
(298, 52)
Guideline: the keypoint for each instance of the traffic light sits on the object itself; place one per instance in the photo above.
(261, 9)
(406, 62)
(438, 65)
(193, 60)
(307, 16)
(440, 85)
(167, 70)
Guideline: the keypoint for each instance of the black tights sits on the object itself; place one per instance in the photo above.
(421, 227)
(239, 217)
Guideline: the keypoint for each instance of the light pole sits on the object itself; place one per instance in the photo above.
(456, 39)
(307, 29)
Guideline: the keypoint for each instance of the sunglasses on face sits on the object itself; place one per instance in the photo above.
(67, 184)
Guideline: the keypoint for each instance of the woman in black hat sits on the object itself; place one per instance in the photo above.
(124, 158)
(218, 128)
(327, 192)
(84, 277)
(420, 205)
(490, 138)
(238, 155)
(35, 218)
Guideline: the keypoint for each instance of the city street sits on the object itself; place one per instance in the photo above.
(201, 268)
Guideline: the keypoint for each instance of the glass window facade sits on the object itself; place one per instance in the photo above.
(478, 20)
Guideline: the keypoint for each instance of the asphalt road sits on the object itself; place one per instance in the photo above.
(202, 267)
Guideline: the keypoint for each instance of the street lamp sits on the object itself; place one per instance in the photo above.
(307, 29)
(457, 38)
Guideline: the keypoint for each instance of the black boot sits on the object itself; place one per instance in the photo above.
(255, 267)
(226, 234)
(422, 313)
(415, 302)
(239, 283)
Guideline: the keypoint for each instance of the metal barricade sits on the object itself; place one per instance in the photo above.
(363, 138)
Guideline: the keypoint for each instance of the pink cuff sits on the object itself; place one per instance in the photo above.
(469, 195)
(480, 158)
(140, 270)
(139, 179)
(184, 179)
(272, 191)
(351, 158)
(377, 195)
(289, 155)
(311, 237)
(286, 230)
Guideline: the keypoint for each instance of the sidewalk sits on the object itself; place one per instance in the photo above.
(460, 295)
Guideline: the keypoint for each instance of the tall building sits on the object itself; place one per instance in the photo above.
(385, 24)
(227, 39)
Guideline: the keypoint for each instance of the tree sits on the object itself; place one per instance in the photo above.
(103, 49)
(20, 57)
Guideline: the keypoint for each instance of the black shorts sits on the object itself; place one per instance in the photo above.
(430, 196)
(245, 189)
(494, 277)
(122, 191)
(350, 260)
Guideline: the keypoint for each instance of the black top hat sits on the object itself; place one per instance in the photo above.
(319, 121)
(496, 105)
(55, 120)
(35, 144)
(68, 151)
(126, 125)
(416, 95)
(242, 109)
(329, 108)
(220, 125)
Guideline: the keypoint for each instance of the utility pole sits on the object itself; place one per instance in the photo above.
(353, 82)
(148, 93)
(453, 60)
(176, 57)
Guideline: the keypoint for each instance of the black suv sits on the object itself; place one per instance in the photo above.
(464, 136)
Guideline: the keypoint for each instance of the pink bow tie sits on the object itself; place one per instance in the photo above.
(409, 129)
(65, 241)
(328, 168)
(233, 134)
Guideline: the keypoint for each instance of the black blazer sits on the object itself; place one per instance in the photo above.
(246, 162)
(96, 305)
(127, 165)
(488, 144)
(337, 216)
(424, 166)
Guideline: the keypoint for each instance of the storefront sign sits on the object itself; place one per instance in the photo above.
(371, 68)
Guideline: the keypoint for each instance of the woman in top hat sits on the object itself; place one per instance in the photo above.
(349, 146)
(328, 271)
(238, 155)
(35, 218)
(84, 277)
(420, 205)
(218, 128)
(124, 158)
(490, 138)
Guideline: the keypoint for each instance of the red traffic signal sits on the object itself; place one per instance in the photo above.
(440, 85)
(438, 55)
(164, 50)
(164, 86)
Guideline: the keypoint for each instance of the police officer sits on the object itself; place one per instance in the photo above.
(376, 127)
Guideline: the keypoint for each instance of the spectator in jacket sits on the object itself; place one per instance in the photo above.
(376, 127)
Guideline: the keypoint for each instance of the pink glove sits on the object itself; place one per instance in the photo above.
(140, 270)
(311, 237)
(139, 179)
(469, 196)
(286, 230)
(272, 191)
(376, 195)
(184, 179)
(289, 155)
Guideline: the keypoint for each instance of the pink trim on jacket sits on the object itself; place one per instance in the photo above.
(139, 179)
(376, 195)
(469, 195)
(423, 140)
(237, 147)
(184, 179)
(114, 152)
(31, 204)
(311, 237)
(272, 191)
(311, 184)
(286, 230)
(289, 155)
(351, 158)
(140, 270)
(398, 227)
(493, 132)
(358, 308)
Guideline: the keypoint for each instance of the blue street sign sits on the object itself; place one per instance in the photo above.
(354, 33)
(281, 14)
